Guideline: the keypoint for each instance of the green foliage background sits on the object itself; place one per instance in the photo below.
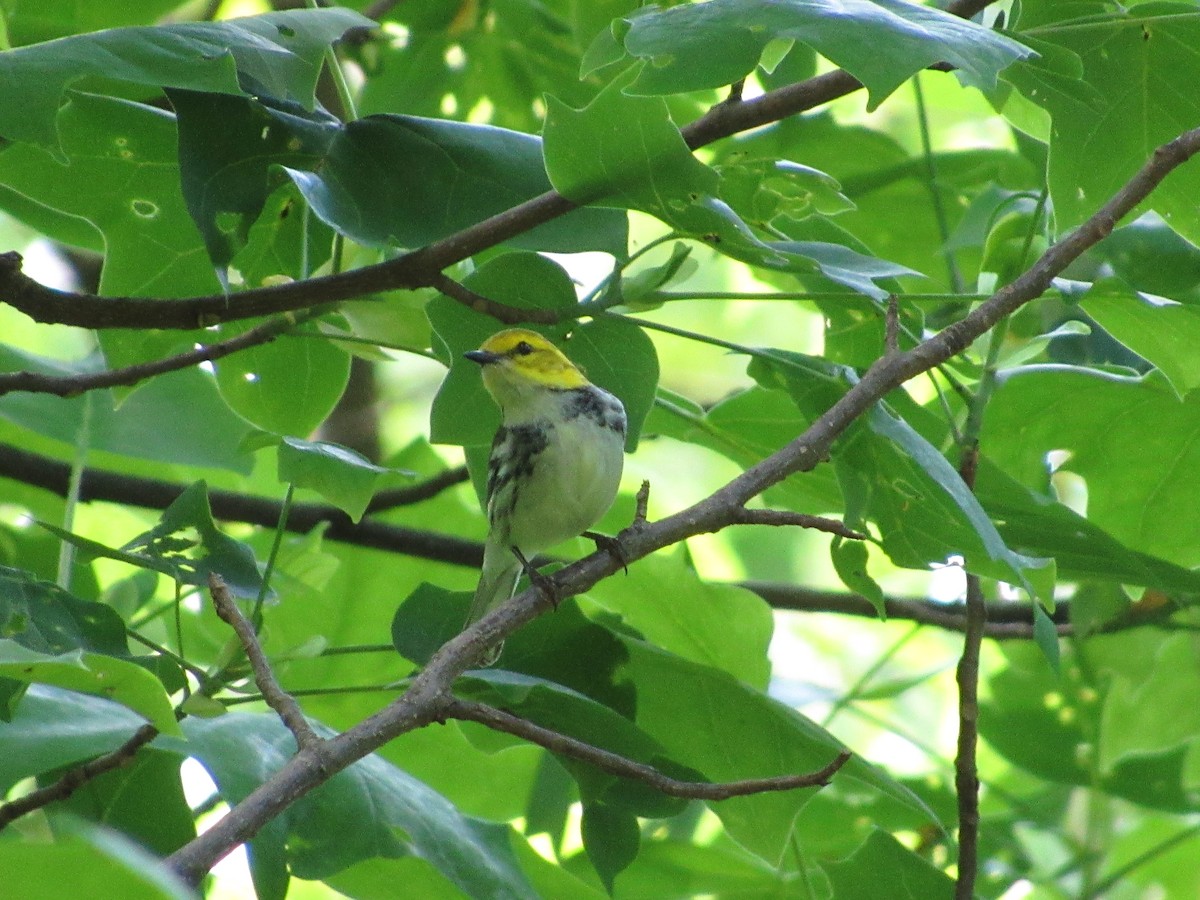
(730, 296)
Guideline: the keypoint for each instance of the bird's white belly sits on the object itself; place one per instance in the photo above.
(573, 483)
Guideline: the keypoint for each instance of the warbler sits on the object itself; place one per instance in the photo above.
(555, 462)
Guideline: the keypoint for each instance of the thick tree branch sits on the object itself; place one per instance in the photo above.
(277, 698)
(429, 693)
(623, 767)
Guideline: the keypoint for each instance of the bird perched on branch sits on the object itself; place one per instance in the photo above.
(555, 462)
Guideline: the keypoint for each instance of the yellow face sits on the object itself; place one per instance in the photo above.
(518, 355)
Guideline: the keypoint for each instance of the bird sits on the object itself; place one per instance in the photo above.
(555, 463)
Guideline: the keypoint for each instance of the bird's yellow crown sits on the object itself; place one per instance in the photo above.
(517, 355)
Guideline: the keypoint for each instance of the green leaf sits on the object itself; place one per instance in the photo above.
(623, 151)
(1046, 722)
(92, 673)
(53, 728)
(626, 151)
(850, 561)
(1166, 334)
(371, 809)
(1108, 124)
(1038, 525)
(278, 54)
(288, 386)
(703, 716)
(143, 800)
(345, 478)
(42, 616)
(882, 43)
(1140, 717)
(117, 172)
(884, 860)
(401, 181)
(1148, 502)
(227, 148)
(763, 189)
(721, 626)
(82, 856)
(611, 837)
(207, 436)
(185, 525)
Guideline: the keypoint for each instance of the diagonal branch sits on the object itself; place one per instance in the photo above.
(428, 696)
(277, 698)
(77, 777)
(615, 764)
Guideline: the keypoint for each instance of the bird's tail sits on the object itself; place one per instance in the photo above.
(497, 583)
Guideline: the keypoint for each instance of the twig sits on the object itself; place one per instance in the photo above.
(276, 697)
(891, 335)
(783, 517)
(966, 774)
(510, 315)
(77, 777)
(616, 764)
(72, 385)
(641, 504)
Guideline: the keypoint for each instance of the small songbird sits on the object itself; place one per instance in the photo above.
(555, 462)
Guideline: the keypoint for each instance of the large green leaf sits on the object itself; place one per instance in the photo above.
(882, 43)
(371, 809)
(400, 181)
(279, 54)
(92, 673)
(288, 386)
(703, 717)
(1108, 124)
(1146, 502)
(884, 860)
(118, 173)
(625, 151)
(721, 626)
(1165, 334)
(82, 857)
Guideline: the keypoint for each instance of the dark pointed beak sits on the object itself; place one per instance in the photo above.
(482, 357)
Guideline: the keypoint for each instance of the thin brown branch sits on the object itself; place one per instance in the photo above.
(615, 764)
(1005, 620)
(76, 778)
(783, 517)
(502, 312)
(72, 385)
(417, 493)
(276, 697)
(966, 773)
